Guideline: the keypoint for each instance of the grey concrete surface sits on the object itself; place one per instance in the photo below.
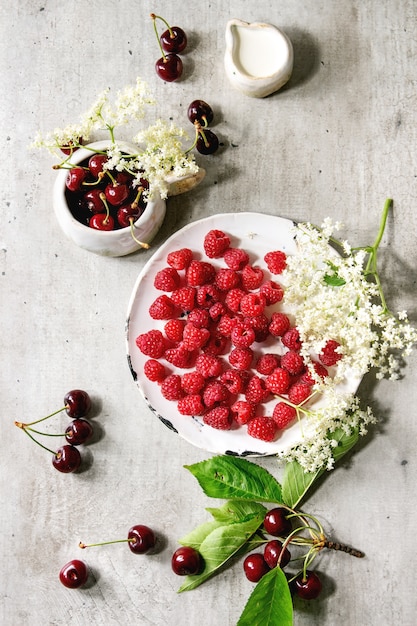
(337, 141)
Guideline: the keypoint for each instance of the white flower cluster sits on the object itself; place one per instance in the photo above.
(339, 298)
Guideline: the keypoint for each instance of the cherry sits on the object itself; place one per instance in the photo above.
(308, 587)
(116, 194)
(207, 142)
(127, 213)
(101, 221)
(66, 459)
(201, 112)
(186, 561)
(74, 574)
(77, 403)
(276, 522)
(169, 67)
(71, 147)
(174, 39)
(78, 432)
(95, 164)
(272, 552)
(255, 567)
(94, 201)
(75, 178)
(140, 539)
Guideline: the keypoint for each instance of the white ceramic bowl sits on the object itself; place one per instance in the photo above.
(113, 243)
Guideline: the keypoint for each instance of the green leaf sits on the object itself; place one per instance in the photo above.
(333, 280)
(236, 478)
(296, 481)
(237, 510)
(219, 546)
(270, 602)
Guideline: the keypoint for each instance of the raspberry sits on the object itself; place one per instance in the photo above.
(199, 317)
(319, 369)
(298, 393)
(167, 279)
(216, 311)
(191, 405)
(291, 339)
(256, 390)
(179, 357)
(232, 379)
(226, 279)
(272, 291)
(163, 308)
(180, 259)
(207, 295)
(208, 365)
(226, 324)
(329, 355)
(151, 344)
(184, 298)
(174, 329)
(242, 336)
(192, 382)
(215, 393)
(241, 358)
(262, 427)
(252, 277)
(260, 324)
(242, 411)
(233, 299)
(267, 363)
(219, 418)
(293, 362)
(154, 370)
(216, 243)
(236, 259)
(194, 338)
(283, 414)
(276, 261)
(278, 381)
(171, 387)
(279, 324)
(199, 273)
(252, 304)
(217, 344)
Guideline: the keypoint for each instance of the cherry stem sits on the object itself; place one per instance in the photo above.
(135, 202)
(104, 200)
(23, 425)
(38, 442)
(39, 432)
(158, 17)
(154, 18)
(141, 243)
(104, 543)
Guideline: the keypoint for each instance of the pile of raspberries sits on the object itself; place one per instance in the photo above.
(205, 359)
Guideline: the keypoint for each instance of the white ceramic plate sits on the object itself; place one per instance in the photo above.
(257, 234)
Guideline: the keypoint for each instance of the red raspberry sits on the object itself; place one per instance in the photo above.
(267, 363)
(194, 338)
(184, 298)
(293, 362)
(199, 273)
(283, 414)
(241, 358)
(256, 390)
(199, 317)
(215, 393)
(171, 387)
(242, 411)
(233, 299)
(320, 370)
(191, 405)
(217, 344)
(262, 427)
(219, 418)
(298, 393)
(163, 308)
(291, 339)
(236, 259)
(226, 279)
(216, 243)
(279, 381)
(226, 324)
(279, 324)
(233, 380)
(154, 370)
(252, 277)
(151, 344)
(252, 304)
(276, 261)
(260, 324)
(216, 311)
(174, 329)
(207, 295)
(192, 382)
(208, 365)
(167, 279)
(242, 336)
(272, 291)
(179, 357)
(330, 355)
(180, 259)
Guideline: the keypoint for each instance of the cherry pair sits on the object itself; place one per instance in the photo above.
(201, 115)
(172, 41)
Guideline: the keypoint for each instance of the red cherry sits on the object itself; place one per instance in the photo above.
(78, 432)
(66, 459)
(307, 588)
(74, 574)
(201, 112)
(126, 213)
(141, 539)
(186, 561)
(77, 403)
(70, 148)
(116, 194)
(95, 164)
(75, 178)
(255, 567)
(207, 143)
(101, 221)
(174, 40)
(272, 553)
(169, 67)
(94, 202)
(276, 522)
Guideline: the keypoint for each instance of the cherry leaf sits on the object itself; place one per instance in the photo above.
(236, 478)
(270, 603)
